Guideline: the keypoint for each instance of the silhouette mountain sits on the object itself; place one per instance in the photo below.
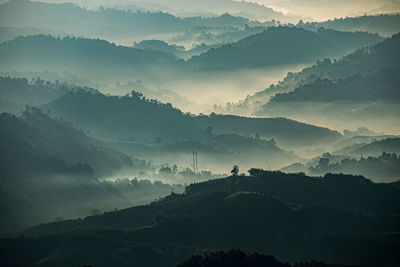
(383, 168)
(383, 85)
(239, 258)
(283, 45)
(384, 24)
(281, 129)
(90, 57)
(107, 23)
(49, 169)
(16, 93)
(77, 55)
(60, 139)
(359, 90)
(124, 116)
(373, 148)
(371, 62)
(292, 216)
(144, 120)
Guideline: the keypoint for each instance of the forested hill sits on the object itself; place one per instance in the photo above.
(79, 54)
(291, 216)
(381, 86)
(238, 258)
(83, 56)
(49, 169)
(384, 24)
(283, 45)
(16, 93)
(373, 148)
(133, 117)
(369, 60)
(296, 190)
(125, 117)
(370, 66)
(283, 130)
(367, 79)
(106, 23)
(60, 140)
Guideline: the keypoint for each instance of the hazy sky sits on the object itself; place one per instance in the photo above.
(316, 9)
(326, 9)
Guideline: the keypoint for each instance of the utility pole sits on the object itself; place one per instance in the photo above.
(194, 163)
(197, 166)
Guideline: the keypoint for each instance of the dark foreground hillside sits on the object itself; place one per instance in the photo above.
(234, 258)
(336, 218)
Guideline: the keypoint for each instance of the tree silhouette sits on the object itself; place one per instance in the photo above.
(235, 170)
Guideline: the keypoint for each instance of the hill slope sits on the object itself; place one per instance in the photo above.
(19, 92)
(373, 148)
(144, 120)
(59, 139)
(306, 218)
(76, 55)
(45, 171)
(283, 45)
(107, 23)
(381, 86)
(384, 24)
(366, 61)
(359, 90)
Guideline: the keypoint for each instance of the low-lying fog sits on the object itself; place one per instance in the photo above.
(200, 92)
